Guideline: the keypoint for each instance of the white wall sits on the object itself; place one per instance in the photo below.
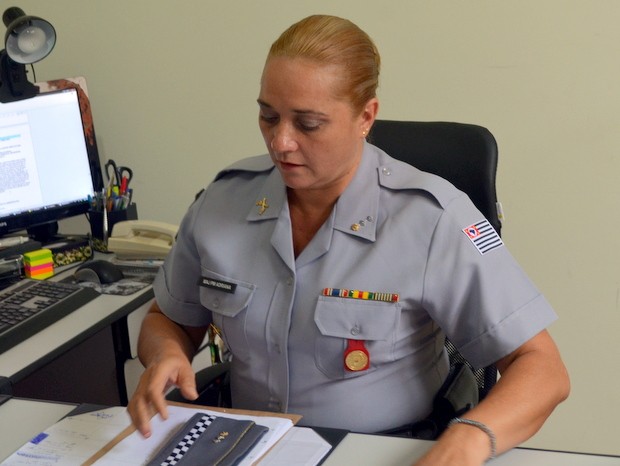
(173, 87)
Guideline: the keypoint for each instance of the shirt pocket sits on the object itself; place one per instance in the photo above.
(341, 319)
(228, 300)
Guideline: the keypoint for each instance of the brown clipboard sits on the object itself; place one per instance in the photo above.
(131, 429)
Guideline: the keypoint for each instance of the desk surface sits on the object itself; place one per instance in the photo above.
(31, 354)
(371, 450)
(24, 419)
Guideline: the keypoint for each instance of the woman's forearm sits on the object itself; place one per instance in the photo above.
(533, 382)
(161, 338)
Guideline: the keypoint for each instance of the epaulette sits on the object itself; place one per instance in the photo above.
(256, 164)
(397, 175)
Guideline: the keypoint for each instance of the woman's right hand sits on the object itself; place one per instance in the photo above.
(149, 397)
(166, 349)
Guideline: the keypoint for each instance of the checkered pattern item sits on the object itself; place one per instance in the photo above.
(188, 440)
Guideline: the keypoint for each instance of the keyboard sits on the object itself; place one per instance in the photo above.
(29, 306)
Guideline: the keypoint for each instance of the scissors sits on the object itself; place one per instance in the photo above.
(118, 175)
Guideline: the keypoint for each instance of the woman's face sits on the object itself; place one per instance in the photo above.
(314, 139)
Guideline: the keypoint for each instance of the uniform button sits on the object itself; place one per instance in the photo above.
(355, 330)
(370, 218)
(386, 171)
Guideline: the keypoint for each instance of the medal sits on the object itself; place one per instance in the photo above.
(356, 357)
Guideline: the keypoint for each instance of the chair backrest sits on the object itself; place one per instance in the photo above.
(465, 155)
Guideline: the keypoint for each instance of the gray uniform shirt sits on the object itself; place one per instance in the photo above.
(394, 230)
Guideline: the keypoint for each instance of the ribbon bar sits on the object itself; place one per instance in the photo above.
(358, 294)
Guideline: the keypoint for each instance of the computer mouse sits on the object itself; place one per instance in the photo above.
(98, 271)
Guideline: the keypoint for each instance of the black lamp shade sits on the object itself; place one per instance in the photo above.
(28, 39)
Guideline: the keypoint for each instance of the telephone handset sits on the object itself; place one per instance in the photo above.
(142, 239)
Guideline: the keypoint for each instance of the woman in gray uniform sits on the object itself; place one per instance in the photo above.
(334, 273)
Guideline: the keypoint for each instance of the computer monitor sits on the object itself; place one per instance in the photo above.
(49, 166)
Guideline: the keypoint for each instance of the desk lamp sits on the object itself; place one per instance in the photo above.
(28, 39)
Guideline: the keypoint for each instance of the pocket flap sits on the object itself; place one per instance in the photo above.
(224, 295)
(356, 318)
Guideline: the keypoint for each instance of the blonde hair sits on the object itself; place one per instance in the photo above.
(336, 41)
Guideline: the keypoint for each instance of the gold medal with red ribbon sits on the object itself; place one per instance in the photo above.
(356, 357)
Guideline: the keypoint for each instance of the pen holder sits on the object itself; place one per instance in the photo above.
(96, 224)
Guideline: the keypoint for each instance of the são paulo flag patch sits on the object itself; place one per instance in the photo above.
(483, 236)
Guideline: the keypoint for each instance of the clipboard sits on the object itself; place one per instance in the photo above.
(130, 430)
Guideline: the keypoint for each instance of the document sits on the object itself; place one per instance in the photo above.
(106, 437)
(300, 446)
(71, 441)
(18, 168)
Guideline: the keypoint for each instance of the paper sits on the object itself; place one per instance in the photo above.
(136, 450)
(301, 446)
(75, 439)
(72, 440)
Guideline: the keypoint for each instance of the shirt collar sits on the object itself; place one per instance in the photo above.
(356, 210)
(270, 200)
(358, 206)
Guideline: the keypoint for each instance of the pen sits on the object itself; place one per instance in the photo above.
(105, 227)
(12, 241)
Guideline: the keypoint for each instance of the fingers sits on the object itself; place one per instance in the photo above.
(141, 414)
(147, 401)
(158, 401)
(149, 397)
(187, 384)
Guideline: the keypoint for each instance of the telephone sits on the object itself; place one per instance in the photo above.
(142, 239)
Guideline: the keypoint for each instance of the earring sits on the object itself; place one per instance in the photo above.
(364, 133)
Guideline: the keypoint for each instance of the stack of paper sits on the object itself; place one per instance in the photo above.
(106, 437)
(73, 440)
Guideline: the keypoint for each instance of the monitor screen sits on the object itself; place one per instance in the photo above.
(47, 170)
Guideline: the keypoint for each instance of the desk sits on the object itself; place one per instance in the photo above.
(24, 419)
(371, 450)
(80, 358)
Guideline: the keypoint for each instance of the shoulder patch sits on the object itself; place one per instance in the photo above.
(256, 164)
(483, 236)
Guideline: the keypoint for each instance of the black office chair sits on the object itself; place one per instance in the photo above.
(465, 155)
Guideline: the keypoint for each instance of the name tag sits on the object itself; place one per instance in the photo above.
(217, 284)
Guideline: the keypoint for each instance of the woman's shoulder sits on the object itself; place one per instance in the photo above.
(256, 164)
(399, 176)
